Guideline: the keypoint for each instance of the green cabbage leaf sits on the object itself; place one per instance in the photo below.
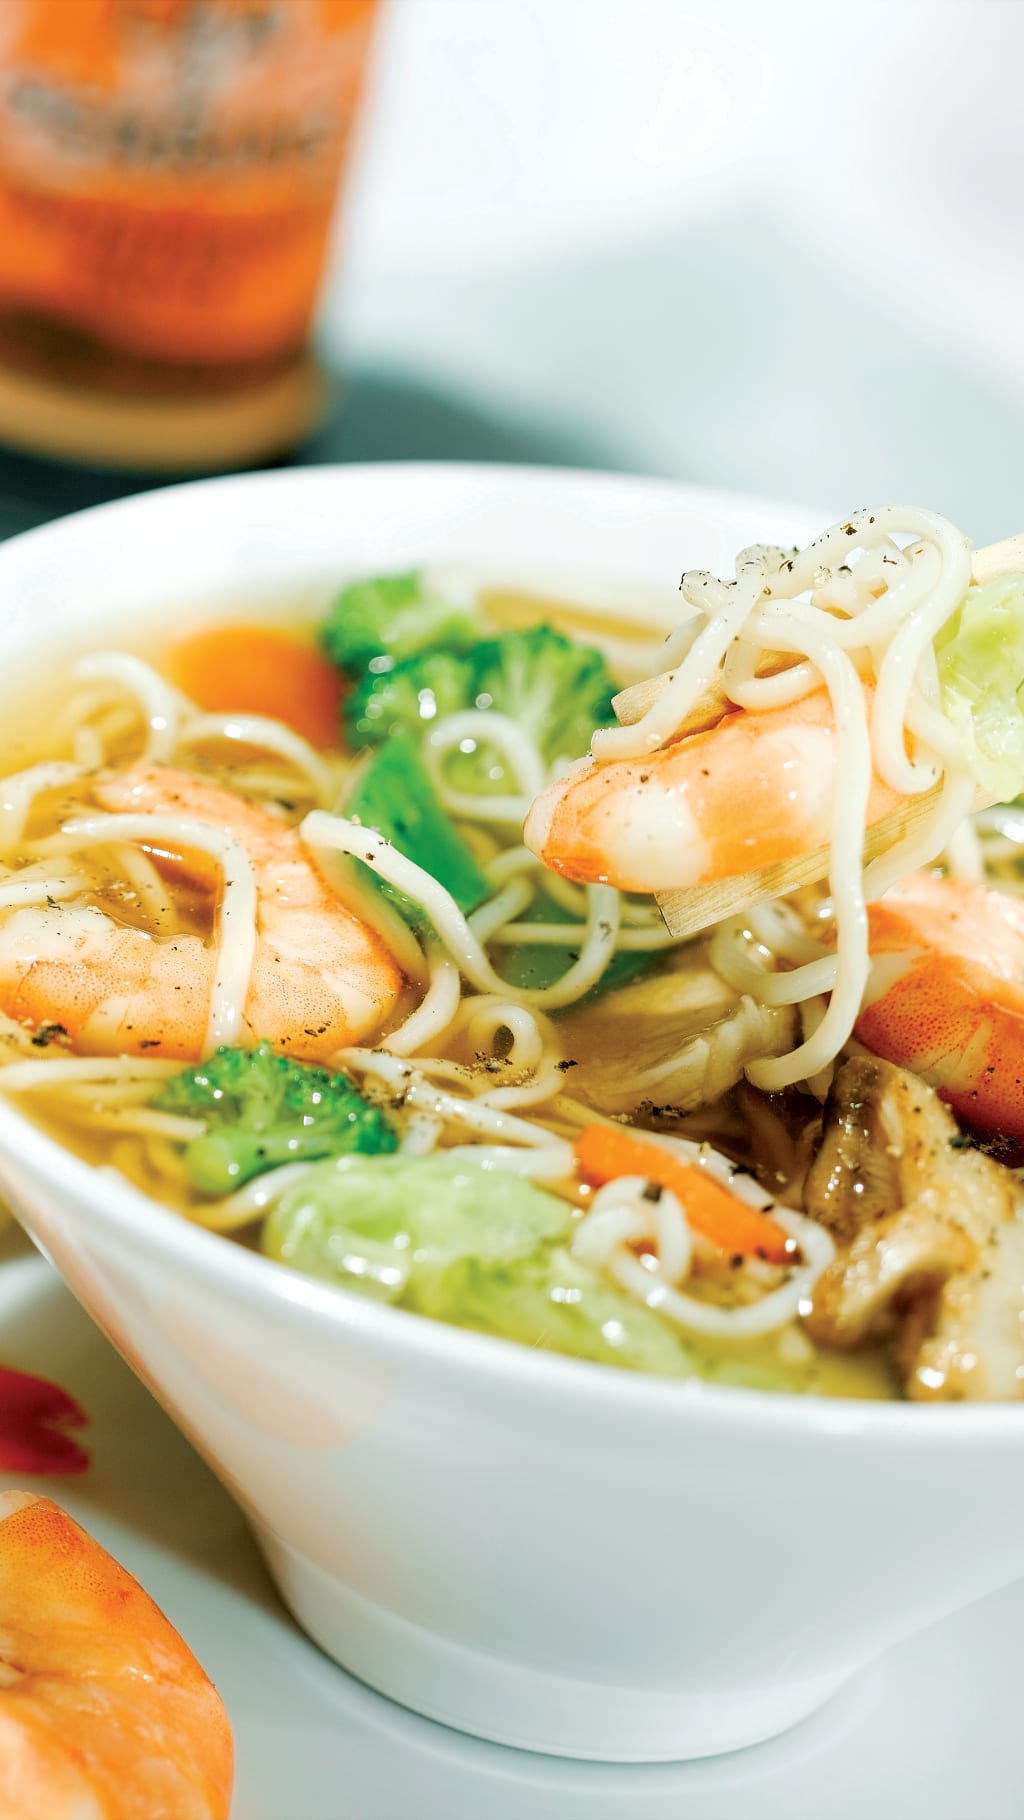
(980, 656)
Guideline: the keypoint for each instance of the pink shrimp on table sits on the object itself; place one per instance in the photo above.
(105, 1714)
(945, 997)
(756, 789)
(319, 980)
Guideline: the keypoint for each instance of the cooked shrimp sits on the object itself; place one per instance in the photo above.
(104, 1712)
(753, 790)
(945, 995)
(318, 978)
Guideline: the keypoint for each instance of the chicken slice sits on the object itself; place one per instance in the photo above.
(931, 1237)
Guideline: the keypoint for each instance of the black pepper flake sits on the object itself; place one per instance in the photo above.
(564, 1067)
(48, 1033)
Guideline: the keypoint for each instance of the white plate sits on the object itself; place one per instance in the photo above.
(931, 1733)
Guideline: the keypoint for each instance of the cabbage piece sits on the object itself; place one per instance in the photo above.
(980, 654)
(371, 1228)
(554, 1301)
(470, 1246)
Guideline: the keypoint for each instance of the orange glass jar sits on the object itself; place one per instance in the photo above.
(168, 177)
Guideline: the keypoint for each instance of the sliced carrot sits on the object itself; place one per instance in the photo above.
(603, 1154)
(260, 670)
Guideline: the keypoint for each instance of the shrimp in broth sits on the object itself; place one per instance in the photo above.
(315, 979)
(400, 1008)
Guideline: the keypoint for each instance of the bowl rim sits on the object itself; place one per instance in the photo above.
(641, 1398)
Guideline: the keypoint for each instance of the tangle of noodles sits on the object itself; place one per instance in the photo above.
(236, 944)
(622, 1216)
(509, 1143)
(471, 1062)
(887, 627)
(467, 731)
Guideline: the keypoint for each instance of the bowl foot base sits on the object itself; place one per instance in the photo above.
(528, 1707)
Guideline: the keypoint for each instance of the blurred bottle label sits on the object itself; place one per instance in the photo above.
(168, 168)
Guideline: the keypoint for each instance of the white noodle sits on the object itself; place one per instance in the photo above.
(30, 1076)
(845, 877)
(265, 735)
(515, 860)
(530, 1034)
(779, 929)
(917, 849)
(150, 888)
(34, 890)
(423, 1133)
(87, 748)
(320, 830)
(81, 707)
(237, 911)
(621, 1216)
(127, 1093)
(161, 705)
(369, 906)
(19, 791)
(491, 916)
(467, 732)
(144, 1121)
(546, 1081)
(964, 854)
(879, 616)
(511, 1143)
(569, 935)
(698, 670)
(435, 1011)
(246, 1204)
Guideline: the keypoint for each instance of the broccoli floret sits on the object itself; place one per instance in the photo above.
(556, 690)
(395, 795)
(382, 620)
(409, 696)
(262, 1109)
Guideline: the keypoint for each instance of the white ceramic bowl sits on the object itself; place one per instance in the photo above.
(545, 1552)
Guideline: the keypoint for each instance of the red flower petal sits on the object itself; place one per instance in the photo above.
(33, 1415)
(26, 1448)
(38, 1399)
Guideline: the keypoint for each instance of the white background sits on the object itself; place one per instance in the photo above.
(769, 244)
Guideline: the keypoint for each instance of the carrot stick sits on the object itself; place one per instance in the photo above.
(603, 1154)
(260, 670)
